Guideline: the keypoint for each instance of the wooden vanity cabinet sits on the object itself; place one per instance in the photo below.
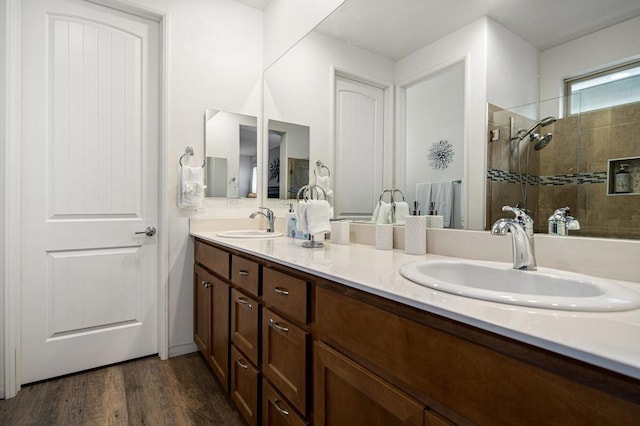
(245, 274)
(245, 325)
(276, 411)
(211, 321)
(245, 387)
(463, 373)
(319, 352)
(285, 358)
(348, 394)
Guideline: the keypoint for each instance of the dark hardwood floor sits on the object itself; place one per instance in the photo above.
(146, 391)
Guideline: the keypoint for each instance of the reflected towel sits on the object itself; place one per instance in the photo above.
(324, 182)
(301, 216)
(401, 212)
(318, 213)
(191, 194)
(385, 212)
(423, 197)
(442, 197)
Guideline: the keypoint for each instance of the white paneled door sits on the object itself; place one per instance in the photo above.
(359, 146)
(90, 182)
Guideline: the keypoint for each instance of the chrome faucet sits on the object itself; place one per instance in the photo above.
(521, 228)
(268, 214)
(560, 223)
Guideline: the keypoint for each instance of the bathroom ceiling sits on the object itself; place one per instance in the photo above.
(382, 27)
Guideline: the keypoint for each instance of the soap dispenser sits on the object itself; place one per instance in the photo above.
(291, 222)
(623, 180)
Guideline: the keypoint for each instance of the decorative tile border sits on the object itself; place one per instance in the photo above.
(496, 175)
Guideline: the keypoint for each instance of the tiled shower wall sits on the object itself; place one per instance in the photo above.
(569, 172)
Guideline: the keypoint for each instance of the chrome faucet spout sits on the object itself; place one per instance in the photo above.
(521, 229)
(267, 214)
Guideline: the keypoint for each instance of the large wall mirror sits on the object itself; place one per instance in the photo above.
(231, 146)
(437, 81)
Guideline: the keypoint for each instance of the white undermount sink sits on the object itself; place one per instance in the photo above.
(249, 233)
(499, 282)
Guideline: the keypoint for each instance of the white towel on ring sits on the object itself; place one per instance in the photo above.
(191, 193)
(318, 213)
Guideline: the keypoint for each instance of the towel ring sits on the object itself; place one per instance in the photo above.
(319, 167)
(188, 152)
(307, 192)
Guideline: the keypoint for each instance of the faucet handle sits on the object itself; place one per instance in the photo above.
(522, 215)
(268, 211)
(562, 211)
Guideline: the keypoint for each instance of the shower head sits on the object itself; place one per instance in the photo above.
(542, 141)
(542, 123)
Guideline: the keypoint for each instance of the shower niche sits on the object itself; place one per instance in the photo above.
(623, 176)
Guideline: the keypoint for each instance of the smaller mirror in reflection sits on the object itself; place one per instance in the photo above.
(231, 154)
(288, 159)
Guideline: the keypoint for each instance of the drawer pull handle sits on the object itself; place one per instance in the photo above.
(244, 301)
(277, 326)
(206, 284)
(276, 403)
(242, 363)
(281, 291)
(243, 272)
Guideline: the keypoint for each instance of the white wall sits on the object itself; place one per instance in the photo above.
(435, 111)
(215, 62)
(470, 45)
(287, 21)
(607, 47)
(512, 68)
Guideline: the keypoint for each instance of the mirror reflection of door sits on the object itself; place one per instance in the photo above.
(287, 160)
(359, 147)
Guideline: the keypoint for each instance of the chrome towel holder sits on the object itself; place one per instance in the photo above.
(188, 152)
(311, 192)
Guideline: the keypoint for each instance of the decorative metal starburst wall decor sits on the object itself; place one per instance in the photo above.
(274, 170)
(440, 154)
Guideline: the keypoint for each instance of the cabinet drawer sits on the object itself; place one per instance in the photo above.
(346, 394)
(245, 382)
(245, 324)
(286, 294)
(285, 354)
(276, 410)
(212, 258)
(246, 274)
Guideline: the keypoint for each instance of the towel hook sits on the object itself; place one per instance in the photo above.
(188, 151)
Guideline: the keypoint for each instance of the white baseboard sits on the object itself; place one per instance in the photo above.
(182, 349)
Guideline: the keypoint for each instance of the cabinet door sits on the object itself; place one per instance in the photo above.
(276, 411)
(284, 358)
(219, 350)
(244, 390)
(347, 394)
(202, 310)
(245, 325)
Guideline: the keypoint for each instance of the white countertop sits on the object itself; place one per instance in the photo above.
(609, 339)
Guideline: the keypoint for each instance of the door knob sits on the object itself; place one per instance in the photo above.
(149, 232)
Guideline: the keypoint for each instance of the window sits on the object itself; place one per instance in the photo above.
(604, 89)
(254, 178)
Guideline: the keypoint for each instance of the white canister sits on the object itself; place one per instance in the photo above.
(415, 235)
(384, 236)
(435, 221)
(340, 232)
